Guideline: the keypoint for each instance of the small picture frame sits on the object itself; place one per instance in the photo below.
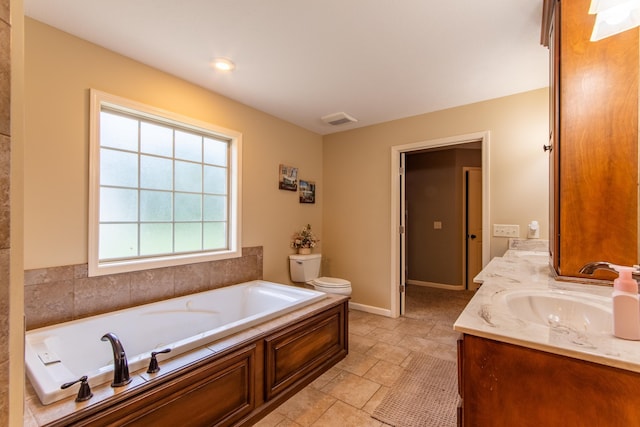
(288, 178)
(307, 191)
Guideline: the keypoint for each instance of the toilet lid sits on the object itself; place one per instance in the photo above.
(331, 282)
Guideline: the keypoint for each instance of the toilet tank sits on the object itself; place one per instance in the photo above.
(304, 268)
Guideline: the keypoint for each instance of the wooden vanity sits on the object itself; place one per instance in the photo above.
(515, 370)
(235, 386)
(503, 384)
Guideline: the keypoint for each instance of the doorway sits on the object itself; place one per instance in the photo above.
(472, 225)
(401, 247)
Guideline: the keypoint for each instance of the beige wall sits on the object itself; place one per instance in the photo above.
(357, 184)
(59, 70)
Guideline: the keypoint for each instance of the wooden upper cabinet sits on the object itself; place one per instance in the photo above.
(594, 140)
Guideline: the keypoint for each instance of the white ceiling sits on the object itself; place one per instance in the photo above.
(299, 60)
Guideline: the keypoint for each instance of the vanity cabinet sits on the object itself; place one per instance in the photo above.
(506, 385)
(593, 140)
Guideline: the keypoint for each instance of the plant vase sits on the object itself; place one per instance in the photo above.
(304, 251)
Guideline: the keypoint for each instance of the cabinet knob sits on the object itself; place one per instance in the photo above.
(547, 147)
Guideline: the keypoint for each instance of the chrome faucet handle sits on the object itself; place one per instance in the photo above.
(84, 393)
(591, 267)
(153, 363)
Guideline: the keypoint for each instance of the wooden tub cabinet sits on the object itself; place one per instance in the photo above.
(503, 384)
(233, 387)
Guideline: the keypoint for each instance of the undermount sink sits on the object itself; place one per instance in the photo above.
(561, 309)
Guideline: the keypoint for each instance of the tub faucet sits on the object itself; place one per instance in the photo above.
(591, 268)
(120, 364)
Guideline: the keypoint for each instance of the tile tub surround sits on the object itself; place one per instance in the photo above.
(486, 316)
(59, 294)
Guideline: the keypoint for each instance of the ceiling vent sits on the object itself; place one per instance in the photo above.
(336, 119)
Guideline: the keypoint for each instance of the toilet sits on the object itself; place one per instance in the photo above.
(306, 269)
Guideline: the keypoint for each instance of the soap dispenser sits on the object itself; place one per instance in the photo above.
(626, 305)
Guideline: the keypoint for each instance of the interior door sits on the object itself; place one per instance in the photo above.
(473, 178)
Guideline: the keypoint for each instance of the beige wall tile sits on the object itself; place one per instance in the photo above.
(152, 285)
(95, 295)
(59, 294)
(192, 278)
(48, 303)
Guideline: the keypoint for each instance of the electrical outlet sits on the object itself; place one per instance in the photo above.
(506, 230)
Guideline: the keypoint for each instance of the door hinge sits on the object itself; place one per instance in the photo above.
(401, 229)
(401, 288)
(401, 171)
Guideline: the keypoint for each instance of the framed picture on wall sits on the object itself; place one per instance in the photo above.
(307, 191)
(288, 179)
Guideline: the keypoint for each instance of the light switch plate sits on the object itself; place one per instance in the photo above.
(506, 230)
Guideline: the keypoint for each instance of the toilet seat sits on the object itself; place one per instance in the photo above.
(331, 282)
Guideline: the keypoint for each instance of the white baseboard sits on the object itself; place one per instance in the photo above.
(370, 309)
(435, 285)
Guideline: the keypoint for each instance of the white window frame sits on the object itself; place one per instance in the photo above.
(96, 267)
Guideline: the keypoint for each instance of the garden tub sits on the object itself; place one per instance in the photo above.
(67, 351)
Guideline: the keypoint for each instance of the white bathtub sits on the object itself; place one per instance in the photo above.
(61, 353)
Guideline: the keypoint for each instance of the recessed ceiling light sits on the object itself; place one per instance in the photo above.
(223, 64)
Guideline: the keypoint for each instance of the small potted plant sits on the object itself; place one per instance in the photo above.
(304, 240)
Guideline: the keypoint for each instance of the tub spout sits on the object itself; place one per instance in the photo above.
(120, 364)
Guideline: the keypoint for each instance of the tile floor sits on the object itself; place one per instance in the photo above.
(379, 349)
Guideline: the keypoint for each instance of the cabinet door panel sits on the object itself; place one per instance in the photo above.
(506, 385)
(594, 135)
(294, 353)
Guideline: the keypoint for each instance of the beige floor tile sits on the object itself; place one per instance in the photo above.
(424, 345)
(375, 400)
(271, 420)
(325, 378)
(344, 415)
(385, 335)
(288, 423)
(357, 363)
(391, 353)
(360, 344)
(415, 328)
(384, 373)
(360, 327)
(306, 406)
(351, 389)
(384, 322)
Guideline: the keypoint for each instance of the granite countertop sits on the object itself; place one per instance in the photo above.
(488, 316)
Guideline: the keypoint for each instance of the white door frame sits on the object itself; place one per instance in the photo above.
(483, 137)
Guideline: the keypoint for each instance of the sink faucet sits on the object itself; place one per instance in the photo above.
(591, 267)
(120, 364)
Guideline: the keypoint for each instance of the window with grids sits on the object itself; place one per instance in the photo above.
(165, 189)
